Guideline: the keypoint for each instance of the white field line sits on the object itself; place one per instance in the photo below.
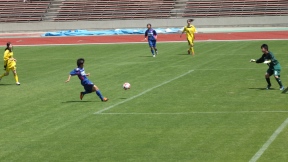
(77, 43)
(269, 141)
(189, 113)
(142, 93)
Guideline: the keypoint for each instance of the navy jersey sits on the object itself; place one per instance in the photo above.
(150, 33)
(80, 72)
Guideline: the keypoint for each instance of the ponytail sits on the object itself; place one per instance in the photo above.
(190, 20)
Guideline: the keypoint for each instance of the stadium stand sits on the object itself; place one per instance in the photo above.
(217, 8)
(114, 9)
(73, 10)
(19, 11)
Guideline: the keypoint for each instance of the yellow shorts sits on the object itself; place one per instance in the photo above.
(10, 68)
(190, 41)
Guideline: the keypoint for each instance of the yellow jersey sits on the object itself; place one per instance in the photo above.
(6, 58)
(189, 30)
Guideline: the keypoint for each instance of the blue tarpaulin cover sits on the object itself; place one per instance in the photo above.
(108, 32)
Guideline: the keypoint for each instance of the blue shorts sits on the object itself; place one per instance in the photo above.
(88, 87)
(152, 43)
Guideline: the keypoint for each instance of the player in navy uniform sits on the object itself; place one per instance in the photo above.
(152, 38)
(85, 82)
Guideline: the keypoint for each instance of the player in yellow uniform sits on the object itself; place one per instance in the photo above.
(190, 30)
(9, 63)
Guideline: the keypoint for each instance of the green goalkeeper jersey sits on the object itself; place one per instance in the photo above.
(274, 64)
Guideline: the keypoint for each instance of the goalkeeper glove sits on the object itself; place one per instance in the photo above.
(267, 62)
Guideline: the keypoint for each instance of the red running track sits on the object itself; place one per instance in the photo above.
(139, 38)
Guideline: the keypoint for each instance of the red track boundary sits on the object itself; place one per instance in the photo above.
(137, 38)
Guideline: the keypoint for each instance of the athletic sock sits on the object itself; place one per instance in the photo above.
(16, 78)
(152, 51)
(192, 49)
(99, 94)
(279, 82)
(268, 81)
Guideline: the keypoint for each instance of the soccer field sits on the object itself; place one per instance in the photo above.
(210, 107)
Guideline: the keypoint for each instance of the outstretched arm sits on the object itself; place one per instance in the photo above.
(260, 60)
(69, 77)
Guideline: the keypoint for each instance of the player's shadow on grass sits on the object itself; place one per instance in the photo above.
(285, 91)
(263, 89)
(183, 54)
(77, 101)
(5, 84)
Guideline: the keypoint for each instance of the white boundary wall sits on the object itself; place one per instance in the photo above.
(275, 21)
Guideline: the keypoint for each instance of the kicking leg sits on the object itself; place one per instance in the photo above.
(99, 94)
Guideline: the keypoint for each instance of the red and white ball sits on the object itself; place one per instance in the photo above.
(126, 86)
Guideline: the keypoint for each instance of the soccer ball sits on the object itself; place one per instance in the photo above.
(126, 86)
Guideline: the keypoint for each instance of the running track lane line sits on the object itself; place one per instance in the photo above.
(142, 93)
(77, 43)
(270, 140)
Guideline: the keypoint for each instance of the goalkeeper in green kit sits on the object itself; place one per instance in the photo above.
(274, 66)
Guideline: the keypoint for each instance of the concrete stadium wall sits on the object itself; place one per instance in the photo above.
(165, 23)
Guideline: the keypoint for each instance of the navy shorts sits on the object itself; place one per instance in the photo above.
(88, 87)
(152, 43)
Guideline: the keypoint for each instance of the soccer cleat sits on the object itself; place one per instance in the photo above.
(282, 88)
(105, 99)
(17, 83)
(156, 52)
(81, 95)
(154, 56)
(268, 87)
(188, 52)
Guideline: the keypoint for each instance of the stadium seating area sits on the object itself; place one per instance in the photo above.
(17, 10)
(217, 8)
(114, 9)
(71, 10)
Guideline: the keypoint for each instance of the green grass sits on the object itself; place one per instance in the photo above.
(44, 120)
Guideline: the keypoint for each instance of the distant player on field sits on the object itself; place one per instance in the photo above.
(152, 38)
(9, 63)
(274, 66)
(189, 30)
(86, 83)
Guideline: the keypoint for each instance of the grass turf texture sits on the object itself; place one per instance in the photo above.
(44, 119)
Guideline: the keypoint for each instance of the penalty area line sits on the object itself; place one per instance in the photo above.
(190, 113)
(142, 93)
(269, 141)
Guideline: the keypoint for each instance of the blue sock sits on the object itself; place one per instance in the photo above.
(84, 92)
(152, 51)
(99, 94)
